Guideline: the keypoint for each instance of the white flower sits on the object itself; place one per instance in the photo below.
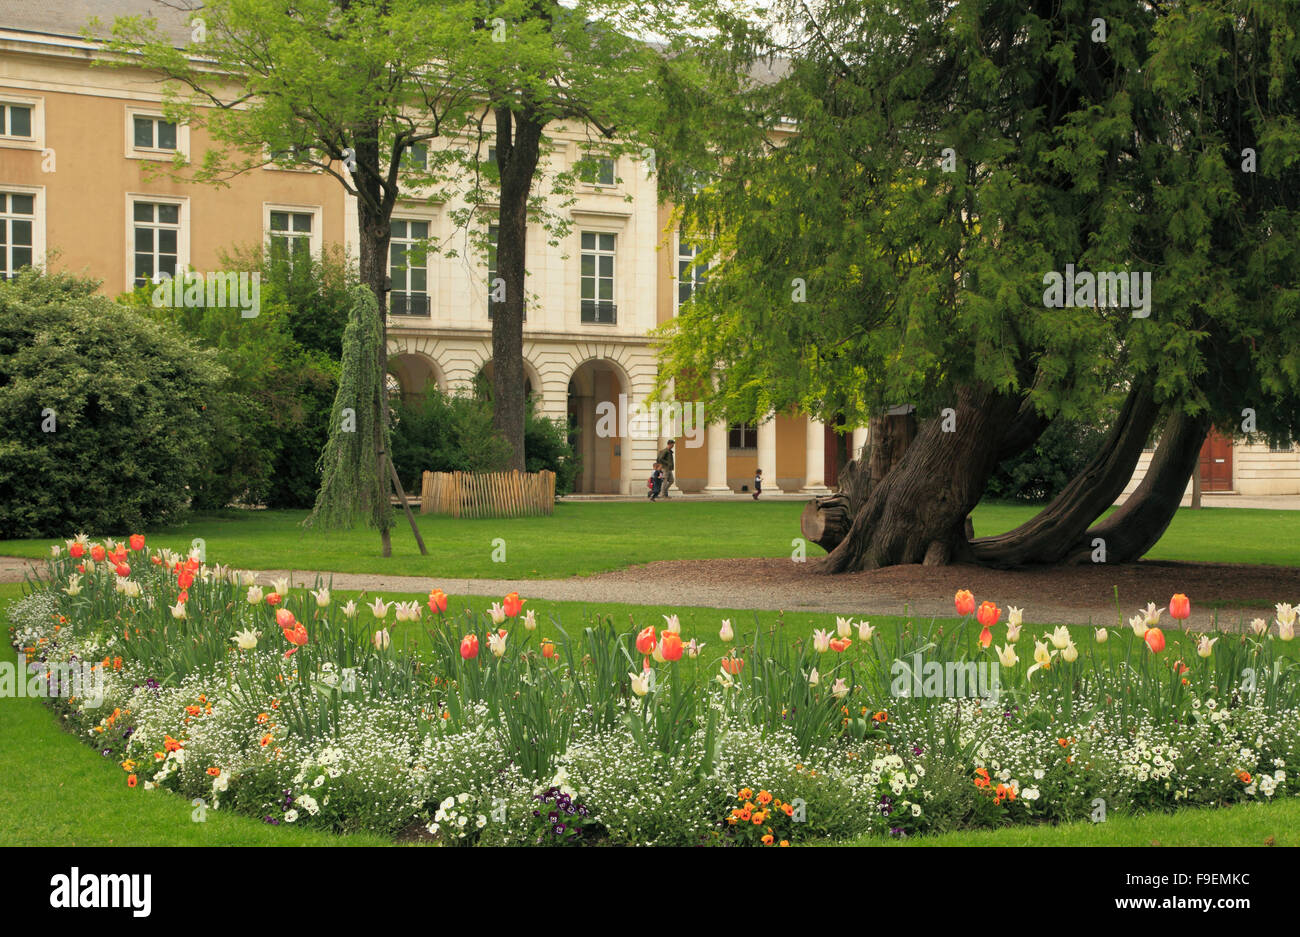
(381, 639)
(726, 633)
(1259, 626)
(821, 641)
(693, 648)
(178, 610)
(497, 643)
(55, 550)
(380, 608)
(1205, 646)
(282, 586)
(247, 640)
(814, 678)
(672, 624)
(530, 620)
(843, 626)
(322, 597)
(407, 611)
(1286, 613)
(640, 682)
(865, 631)
(839, 689)
(290, 815)
(1060, 637)
(1029, 793)
(1007, 655)
(1139, 625)
(74, 585)
(254, 595)
(350, 610)
(1102, 635)
(497, 612)
(1070, 654)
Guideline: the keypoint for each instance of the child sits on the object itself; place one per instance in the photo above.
(655, 482)
(758, 483)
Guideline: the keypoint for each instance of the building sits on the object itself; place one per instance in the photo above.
(77, 146)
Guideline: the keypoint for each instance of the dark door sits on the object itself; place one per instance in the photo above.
(1216, 462)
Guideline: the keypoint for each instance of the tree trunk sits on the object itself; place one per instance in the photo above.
(1053, 532)
(518, 140)
(889, 434)
(826, 521)
(1142, 520)
(917, 512)
(374, 212)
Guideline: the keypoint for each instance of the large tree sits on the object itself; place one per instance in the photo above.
(945, 158)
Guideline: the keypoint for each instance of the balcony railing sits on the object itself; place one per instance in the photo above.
(409, 304)
(599, 312)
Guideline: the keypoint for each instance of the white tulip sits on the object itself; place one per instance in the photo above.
(1205, 646)
(322, 597)
(254, 596)
(530, 620)
(843, 626)
(380, 608)
(178, 610)
(282, 586)
(497, 643)
(1139, 625)
(247, 640)
(1286, 613)
(865, 631)
(672, 624)
(381, 639)
(640, 682)
(821, 641)
(350, 610)
(1102, 635)
(726, 633)
(1070, 653)
(839, 689)
(1259, 626)
(1061, 637)
(1007, 656)
(814, 678)
(497, 612)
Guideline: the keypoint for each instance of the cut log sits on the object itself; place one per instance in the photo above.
(826, 521)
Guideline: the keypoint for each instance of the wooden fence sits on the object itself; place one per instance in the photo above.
(487, 494)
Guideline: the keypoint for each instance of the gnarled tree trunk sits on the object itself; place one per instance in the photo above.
(917, 512)
(1142, 520)
(1053, 532)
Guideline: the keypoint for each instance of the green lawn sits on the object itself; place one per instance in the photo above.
(588, 537)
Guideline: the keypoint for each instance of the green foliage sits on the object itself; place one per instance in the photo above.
(1040, 472)
(547, 446)
(126, 397)
(353, 487)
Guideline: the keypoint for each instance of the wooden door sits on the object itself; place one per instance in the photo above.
(1216, 462)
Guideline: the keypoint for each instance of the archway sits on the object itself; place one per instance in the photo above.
(597, 388)
(414, 374)
(482, 383)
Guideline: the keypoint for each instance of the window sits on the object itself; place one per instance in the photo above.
(690, 274)
(152, 133)
(742, 436)
(17, 232)
(416, 157)
(598, 278)
(599, 170)
(16, 120)
(156, 241)
(408, 268)
(291, 235)
(289, 158)
(1279, 446)
(494, 235)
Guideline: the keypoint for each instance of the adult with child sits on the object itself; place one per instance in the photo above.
(666, 462)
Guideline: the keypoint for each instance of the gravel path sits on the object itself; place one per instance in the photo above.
(1069, 595)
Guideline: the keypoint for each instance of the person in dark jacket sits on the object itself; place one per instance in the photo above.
(666, 461)
(758, 483)
(655, 483)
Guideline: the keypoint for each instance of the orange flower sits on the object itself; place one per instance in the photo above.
(768, 840)
(988, 615)
(469, 646)
(1243, 777)
(965, 602)
(437, 601)
(733, 665)
(266, 739)
(645, 641)
(743, 816)
(171, 744)
(131, 780)
(881, 716)
(785, 842)
(1155, 639)
(1180, 606)
(548, 648)
(137, 541)
(671, 646)
(764, 798)
(840, 644)
(214, 772)
(512, 604)
(787, 810)
(745, 794)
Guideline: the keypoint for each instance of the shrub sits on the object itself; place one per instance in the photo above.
(1041, 471)
(102, 411)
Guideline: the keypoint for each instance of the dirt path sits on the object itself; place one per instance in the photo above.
(1070, 595)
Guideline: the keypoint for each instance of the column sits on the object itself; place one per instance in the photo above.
(860, 436)
(767, 454)
(814, 473)
(716, 440)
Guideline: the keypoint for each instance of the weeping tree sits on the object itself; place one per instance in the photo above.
(898, 247)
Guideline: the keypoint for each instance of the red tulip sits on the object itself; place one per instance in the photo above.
(672, 646)
(297, 636)
(986, 637)
(273, 599)
(76, 551)
(185, 580)
(988, 614)
(1180, 606)
(965, 602)
(645, 641)
(1155, 639)
(437, 601)
(137, 541)
(284, 618)
(512, 604)
(184, 596)
(469, 646)
(97, 553)
(122, 570)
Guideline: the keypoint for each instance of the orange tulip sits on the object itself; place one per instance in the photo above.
(840, 645)
(988, 615)
(469, 646)
(297, 636)
(1155, 639)
(76, 551)
(548, 648)
(645, 641)
(512, 604)
(122, 570)
(284, 618)
(137, 541)
(733, 665)
(97, 553)
(437, 601)
(965, 602)
(1180, 606)
(274, 599)
(672, 646)
(986, 637)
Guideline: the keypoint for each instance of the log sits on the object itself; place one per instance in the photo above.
(826, 521)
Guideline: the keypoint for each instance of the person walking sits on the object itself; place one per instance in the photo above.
(655, 483)
(758, 483)
(666, 462)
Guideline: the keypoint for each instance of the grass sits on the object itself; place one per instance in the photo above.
(69, 795)
(589, 537)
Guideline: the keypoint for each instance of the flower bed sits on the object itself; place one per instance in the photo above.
(293, 707)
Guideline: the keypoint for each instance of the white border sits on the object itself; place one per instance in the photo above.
(182, 239)
(38, 217)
